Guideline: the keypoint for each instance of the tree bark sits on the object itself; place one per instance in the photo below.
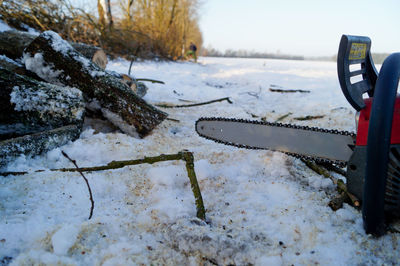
(54, 60)
(13, 43)
(28, 106)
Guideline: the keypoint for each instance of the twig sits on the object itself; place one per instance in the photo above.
(309, 117)
(288, 91)
(194, 104)
(283, 117)
(333, 168)
(340, 185)
(151, 80)
(172, 119)
(87, 182)
(188, 158)
(183, 155)
(130, 65)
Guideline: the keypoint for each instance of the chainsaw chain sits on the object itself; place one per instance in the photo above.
(304, 157)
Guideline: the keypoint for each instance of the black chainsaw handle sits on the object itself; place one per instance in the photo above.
(354, 60)
(379, 133)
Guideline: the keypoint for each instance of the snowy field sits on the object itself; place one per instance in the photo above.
(263, 207)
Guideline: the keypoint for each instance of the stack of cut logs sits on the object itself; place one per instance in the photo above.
(48, 86)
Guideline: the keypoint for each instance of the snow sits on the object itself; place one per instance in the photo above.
(262, 207)
(4, 26)
(64, 238)
(43, 69)
(9, 60)
(57, 43)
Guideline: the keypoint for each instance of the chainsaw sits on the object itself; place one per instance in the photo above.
(372, 155)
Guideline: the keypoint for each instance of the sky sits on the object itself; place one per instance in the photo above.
(308, 27)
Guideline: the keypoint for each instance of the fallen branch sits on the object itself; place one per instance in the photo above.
(183, 155)
(331, 167)
(87, 183)
(189, 159)
(309, 117)
(151, 80)
(344, 195)
(173, 120)
(288, 91)
(283, 117)
(194, 104)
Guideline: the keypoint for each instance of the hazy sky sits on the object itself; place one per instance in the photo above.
(299, 27)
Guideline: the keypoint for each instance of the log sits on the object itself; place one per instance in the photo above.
(13, 43)
(54, 60)
(28, 106)
(93, 53)
(37, 143)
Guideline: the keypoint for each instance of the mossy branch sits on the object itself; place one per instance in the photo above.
(194, 104)
(183, 155)
(344, 194)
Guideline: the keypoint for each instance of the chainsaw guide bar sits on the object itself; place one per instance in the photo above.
(309, 143)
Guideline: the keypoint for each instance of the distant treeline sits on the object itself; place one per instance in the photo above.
(209, 51)
(142, 28)
(378, 58)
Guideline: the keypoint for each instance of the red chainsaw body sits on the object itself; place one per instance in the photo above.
(363, 122)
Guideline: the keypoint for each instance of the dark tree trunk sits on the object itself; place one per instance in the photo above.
(54, 60)
(28, 106)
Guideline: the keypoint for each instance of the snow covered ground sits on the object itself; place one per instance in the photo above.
(263, 207)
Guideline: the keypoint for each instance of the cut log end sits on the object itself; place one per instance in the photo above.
(100, 59)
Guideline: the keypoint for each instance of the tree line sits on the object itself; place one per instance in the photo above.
(210, 51)
(142, 28)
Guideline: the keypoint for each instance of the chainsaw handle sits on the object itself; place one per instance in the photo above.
(356, 70)
(378, 145)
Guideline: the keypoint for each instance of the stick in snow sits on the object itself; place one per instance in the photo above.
(87, 182)
(194, 104)
(288, 91)
(151, 80)
(283, 117)
(309, 117)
